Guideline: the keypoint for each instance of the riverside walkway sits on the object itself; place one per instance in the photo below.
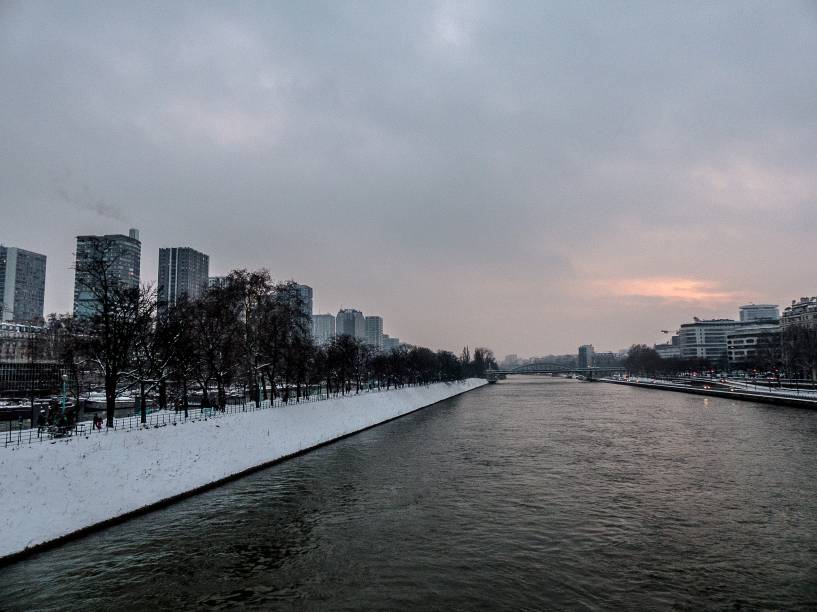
(732, 389)
(15, 434)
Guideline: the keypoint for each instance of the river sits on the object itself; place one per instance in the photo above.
(535, 493)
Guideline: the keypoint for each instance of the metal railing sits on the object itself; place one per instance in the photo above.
(16, 436)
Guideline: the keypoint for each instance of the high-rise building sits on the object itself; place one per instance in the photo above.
(351, 322)
(182, 271)
(114, 257)
(585, 356)
(305, 295)
(323, 328)
(374, 332)
(759, 312)
(22, 284)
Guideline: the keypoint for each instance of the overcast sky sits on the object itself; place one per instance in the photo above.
(529, 176)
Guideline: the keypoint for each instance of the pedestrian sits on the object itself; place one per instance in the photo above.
(41, 422)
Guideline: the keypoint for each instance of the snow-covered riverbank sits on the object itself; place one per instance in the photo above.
(48, 491)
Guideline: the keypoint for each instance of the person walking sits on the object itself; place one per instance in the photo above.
(41, 422)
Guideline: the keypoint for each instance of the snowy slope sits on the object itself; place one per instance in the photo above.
(51, 490)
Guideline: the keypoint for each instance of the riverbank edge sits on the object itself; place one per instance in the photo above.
(34, 549)
(736, 395)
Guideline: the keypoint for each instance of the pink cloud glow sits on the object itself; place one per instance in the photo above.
(669, 288)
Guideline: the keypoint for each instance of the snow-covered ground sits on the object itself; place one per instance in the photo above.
(48, 490)
(735, 385)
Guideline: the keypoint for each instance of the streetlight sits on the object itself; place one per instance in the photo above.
(64, 381)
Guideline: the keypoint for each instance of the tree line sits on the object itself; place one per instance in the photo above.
(250, 334)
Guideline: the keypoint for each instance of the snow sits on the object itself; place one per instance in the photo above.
(52, 489)
(760, 389)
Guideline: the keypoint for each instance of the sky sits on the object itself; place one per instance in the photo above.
(527, 176)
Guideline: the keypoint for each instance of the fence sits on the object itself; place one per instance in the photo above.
(16, 436)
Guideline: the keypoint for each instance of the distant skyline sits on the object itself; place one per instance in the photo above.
(525, 176)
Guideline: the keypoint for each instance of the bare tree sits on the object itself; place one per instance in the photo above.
(114, 314)
(800, 350)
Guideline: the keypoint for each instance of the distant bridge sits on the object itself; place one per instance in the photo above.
(544, 367)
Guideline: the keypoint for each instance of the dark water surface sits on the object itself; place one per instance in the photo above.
(533, 493)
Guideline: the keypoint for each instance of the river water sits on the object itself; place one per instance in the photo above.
(534, 493)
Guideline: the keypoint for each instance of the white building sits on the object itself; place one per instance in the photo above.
(759, 312)
(669, 350)
(755, 344)
(706, 339)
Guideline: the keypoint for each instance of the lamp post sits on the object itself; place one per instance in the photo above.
(64, 381)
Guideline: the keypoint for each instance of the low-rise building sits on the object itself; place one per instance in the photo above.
(19, 342)
(759, 312)
(706, 339)
(754, 346)
(669, 350)
(390, 343)
(28, 366)
(216, 282)
(802, 312)
(605, 358)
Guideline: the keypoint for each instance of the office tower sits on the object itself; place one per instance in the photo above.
(112, 258)
(351, 322)
(182, 271)
(22, 284)
(374, 332)
(323, 328)
(305, 295)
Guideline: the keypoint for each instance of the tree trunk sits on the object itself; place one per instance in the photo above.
(110, 398)
(222, 397)
(184, 396)
(142, 403)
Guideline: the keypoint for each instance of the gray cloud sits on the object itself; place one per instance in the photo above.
(472, 171)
